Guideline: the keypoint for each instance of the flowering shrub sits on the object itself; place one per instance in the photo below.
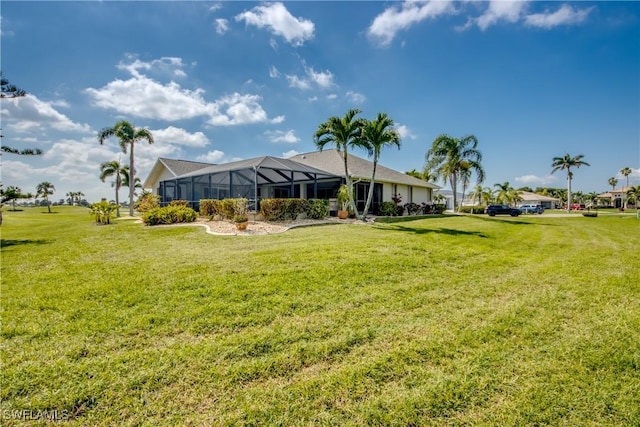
(147, 202)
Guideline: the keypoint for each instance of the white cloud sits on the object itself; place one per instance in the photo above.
(215, 156)
(277, 19)
(288, 137)
(222, 26)
(313, 98)
(167, 65)
(499, 10)
(215, 7)
(179, 136)
(332, 96)
(320, 79)
(273, 72)
(298, 83)
(356, 98)
(536, 180)
(290, 153)
(516, 11)
(405, 132)
(385, 26)
(141, 96)
(29, 114)
(566, 15)
(237, 109)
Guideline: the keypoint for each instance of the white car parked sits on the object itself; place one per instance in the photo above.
(531, 209)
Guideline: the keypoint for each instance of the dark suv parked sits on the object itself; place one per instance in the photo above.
(493, 210)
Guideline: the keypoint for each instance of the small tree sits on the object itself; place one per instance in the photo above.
(44, 190)
(13, 194)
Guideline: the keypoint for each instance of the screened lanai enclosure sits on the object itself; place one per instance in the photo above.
(254, 179)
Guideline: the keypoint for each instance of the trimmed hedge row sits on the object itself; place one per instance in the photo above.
(171, 214)
(472, 209)
(282, 209)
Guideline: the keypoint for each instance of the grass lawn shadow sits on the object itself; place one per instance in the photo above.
(505, 220)
(447, 231)
(4, 243)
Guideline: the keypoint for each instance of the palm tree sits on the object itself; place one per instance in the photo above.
(74, 195)
(448, 156)
(567, 162)
(593, 199)
(502, 192)
(633, 193)
(613, 182)
(465, 176)
(114, 168)
(625, 172)
(44, 190)
(128, 136)
(125, 179)
(343, 133)
(378, 134)
(477, 194)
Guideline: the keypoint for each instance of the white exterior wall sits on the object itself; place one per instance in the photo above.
(409, 193)
(165, 175)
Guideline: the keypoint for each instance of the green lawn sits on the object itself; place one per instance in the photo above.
(439, 321)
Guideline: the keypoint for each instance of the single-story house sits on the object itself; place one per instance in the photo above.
(311, 175)
(538, 199)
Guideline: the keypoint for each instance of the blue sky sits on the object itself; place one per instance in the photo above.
(220, 81)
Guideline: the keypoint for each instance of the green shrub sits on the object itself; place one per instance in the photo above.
(413, 208)
(282, 209)
(226, 208)
(147, 202)
(317, 208)
(103, 211)
(179, 203)
(169, 215)
(438, 209)
(472, 209)
(388, 209)
(207, 207)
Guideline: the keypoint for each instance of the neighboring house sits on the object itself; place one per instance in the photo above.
(310, 175)
(526, 198)
(538, 199)
(448, 198)
(615, 197)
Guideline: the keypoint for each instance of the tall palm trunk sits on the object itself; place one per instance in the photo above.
(132, 179)
(371, 185)
(118, 185)
(569, 192)
(347, 178)
(454, 187)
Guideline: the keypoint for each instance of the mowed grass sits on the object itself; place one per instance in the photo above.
(439, 321)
